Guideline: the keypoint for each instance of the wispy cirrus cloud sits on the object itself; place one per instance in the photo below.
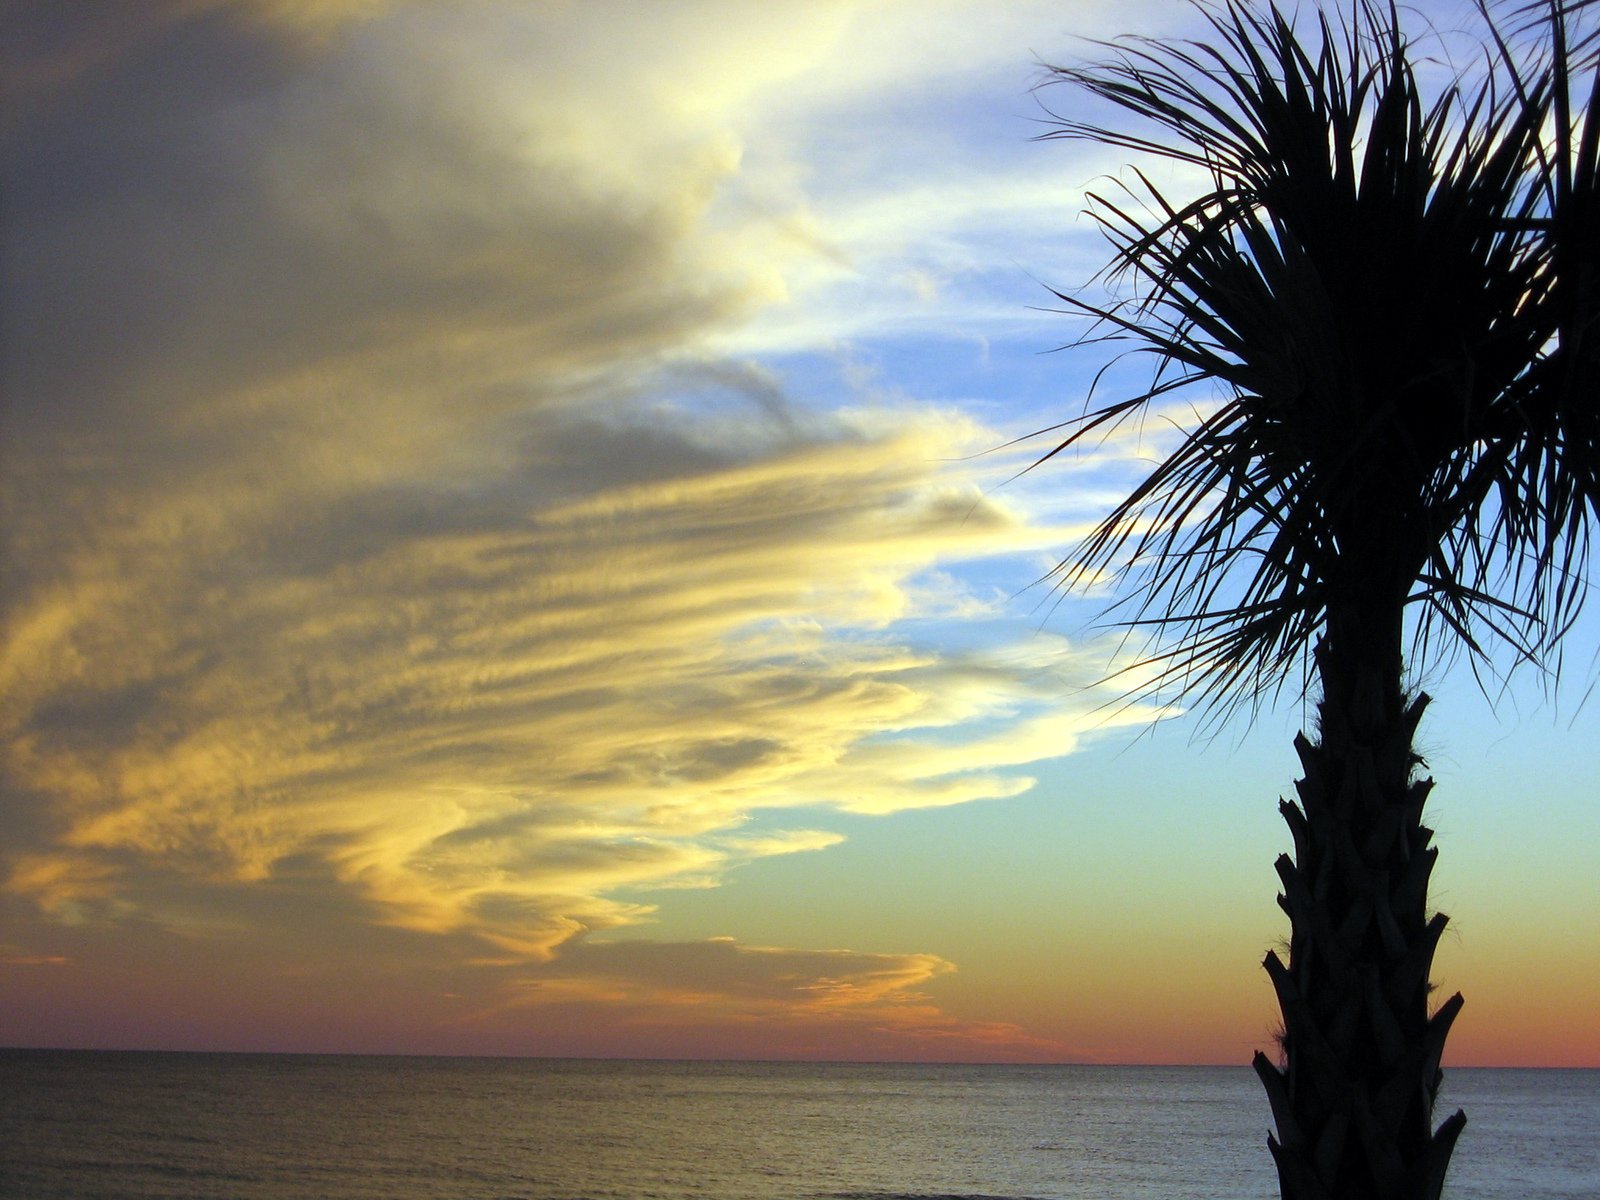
(490, 716)
(834, 1004)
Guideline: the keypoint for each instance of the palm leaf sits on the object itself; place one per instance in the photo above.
(1389, 300)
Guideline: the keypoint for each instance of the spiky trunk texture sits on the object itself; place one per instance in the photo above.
(1353, 1102)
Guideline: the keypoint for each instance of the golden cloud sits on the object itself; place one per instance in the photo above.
(385, 539)
(493, 720)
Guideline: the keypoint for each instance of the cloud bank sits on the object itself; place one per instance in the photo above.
(392, 534)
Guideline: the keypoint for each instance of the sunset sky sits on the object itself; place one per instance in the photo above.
(512, 545)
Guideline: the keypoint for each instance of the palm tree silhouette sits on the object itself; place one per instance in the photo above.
(1382, 308)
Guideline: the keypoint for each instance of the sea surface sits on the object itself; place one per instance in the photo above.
(84, 1125)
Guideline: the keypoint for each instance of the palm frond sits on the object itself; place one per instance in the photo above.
(1392, 299)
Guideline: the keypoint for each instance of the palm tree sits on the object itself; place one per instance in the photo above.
(1380, 308)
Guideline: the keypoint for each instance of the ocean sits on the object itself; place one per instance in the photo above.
(87, 1125)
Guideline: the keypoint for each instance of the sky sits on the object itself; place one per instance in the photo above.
(513, 544)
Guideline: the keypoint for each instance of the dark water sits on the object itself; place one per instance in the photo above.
(103, 1126)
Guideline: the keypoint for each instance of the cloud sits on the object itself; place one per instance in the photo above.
(720, 968)
(804, 1003)
(389, 534)
(489, 715)
(11, 956)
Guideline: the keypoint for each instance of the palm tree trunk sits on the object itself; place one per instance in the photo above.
(1353, 1101)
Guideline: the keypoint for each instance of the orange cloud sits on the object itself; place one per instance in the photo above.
(778, 1002)
(11, 956)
